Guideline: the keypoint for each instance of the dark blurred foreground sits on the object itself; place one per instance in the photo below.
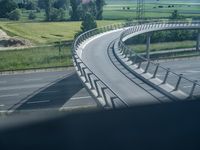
(163, 127)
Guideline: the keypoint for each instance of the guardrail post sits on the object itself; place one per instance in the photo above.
(147, 67)
(104, 96)
(139, 65)
(96, 87)
(178, 83)
(193, 88)
(85, 74)
(89, 77)
(126, 52)
(112, 102)
(166, 76)
(198, 40)
(155, 73)
(79, 66)
(134, 60)
(130, 55)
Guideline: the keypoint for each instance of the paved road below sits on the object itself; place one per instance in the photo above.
(44, 90)
(190, 68)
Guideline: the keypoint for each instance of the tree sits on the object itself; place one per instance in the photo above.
(88, 23)
(74, 10)
(30, 5)
(175, 15)
(15, 14)
(61, 4)
(84, 8)
(31, 15)
(57, 14)
(6, 6)
(41, 4)
(99, 7)
(48, 8)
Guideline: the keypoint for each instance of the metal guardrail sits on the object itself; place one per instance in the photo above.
(105, 96)
(153, 68)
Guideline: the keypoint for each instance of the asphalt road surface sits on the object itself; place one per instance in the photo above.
(43, 90)
(189, 67)
(95, 56)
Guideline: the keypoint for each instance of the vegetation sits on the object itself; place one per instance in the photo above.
(88, 23)
(99, 6)
(45, 33)
(140, 48)
(32, 15)
(35, 58)
(40, 22)
(165, 36)
(7, 6)
(15, 14)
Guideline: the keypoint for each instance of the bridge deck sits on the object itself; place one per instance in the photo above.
(95, 55)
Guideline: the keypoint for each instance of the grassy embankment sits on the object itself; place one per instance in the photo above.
(40, 34)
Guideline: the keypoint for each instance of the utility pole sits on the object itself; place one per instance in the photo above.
(140, 9)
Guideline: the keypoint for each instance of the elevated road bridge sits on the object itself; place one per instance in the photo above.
(116, 76)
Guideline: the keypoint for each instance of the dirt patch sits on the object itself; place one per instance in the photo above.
(12, 42)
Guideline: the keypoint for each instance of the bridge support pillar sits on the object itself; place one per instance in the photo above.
(198, 40)
(148, 42)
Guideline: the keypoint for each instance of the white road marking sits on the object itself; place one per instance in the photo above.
(29, 80)
(160, 75)
(2, 105)
(49, 92)
(187, 86)
(15, 87)
(3, 82)
(76, 98)
(9, 95)
(193, 71)
(37, 102)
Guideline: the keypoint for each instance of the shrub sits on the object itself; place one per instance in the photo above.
(6, 6)
(15, 14)
(32, 15)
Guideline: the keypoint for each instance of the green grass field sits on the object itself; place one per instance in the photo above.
(140, 48)
(41, 33)
(48, 33)
(127, 9)
(35, 58)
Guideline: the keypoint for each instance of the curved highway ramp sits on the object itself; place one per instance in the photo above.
(107, 78)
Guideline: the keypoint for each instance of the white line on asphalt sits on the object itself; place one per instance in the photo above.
(76, 98)
(2, 105)
(49, 92)
(3, 82)
(15, 87)
(192, 71)
(187, 86)
(37, 102)
(9, 95)
(29, 80)
(160, 75)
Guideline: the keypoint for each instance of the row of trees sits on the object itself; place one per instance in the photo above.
(79, 9)
(165, 36)
(55, 10)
